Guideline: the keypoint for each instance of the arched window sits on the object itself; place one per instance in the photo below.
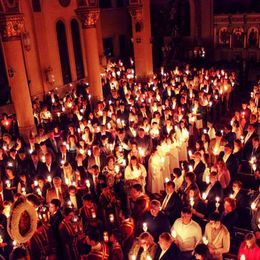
(63, 51)
(77, 48)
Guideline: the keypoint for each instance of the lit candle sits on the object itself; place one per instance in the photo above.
(145, 227)
(205, 240)
(89, 152)
(192, 201)
(166, 180)
(69, 203)
(14, 243)
(43, 159)
(190, 168)
(8, 184)
(111, 218)
(38, 190)
(49, 179)
(242, 257)
(253, 206)
(133, 257)
(217, 203)
(105, 236)
(23, 190)
(88, 184)
(1, 239)
(207, 179)
(141, 151)
(190, 153)
(10, 164)
(204, 195)
(93, 213)
(117, 169)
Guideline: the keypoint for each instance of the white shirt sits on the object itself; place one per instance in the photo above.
(187, 235)
(162, 253)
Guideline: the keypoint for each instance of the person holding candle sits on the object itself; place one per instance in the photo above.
(188, 233)
(198, 169)
(55, 220)
(171, 204)
(58, 191)
(24, 185)
(249, 249)
(97, 158)
(75, 197)
(109, 202)
(182, 135)
(135, 172)
(68, 174)
(198, 206)
(11, 180)
(213, 191)
(89, 213)
(216, 146)
(155, 173)
(50, 167)
(190, 181)
(223, 174)
(218, 237)
(157, 222)
(139, 204)
(143, 247)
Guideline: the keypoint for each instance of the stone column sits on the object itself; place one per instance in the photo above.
(141, 29)
(89, 17)
(11, 27)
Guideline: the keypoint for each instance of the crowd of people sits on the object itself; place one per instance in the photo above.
(147, 173)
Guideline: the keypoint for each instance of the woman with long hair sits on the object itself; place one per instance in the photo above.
(143, 247)
(135, 172)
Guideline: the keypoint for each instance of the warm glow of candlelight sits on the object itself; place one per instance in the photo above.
(111, 218)
(88, 183)
(145, 227)
(205, 240)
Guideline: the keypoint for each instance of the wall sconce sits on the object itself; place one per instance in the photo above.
(26, 39)
(10, 72)
(50, 78)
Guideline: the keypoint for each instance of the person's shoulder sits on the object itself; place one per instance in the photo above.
(224, 229)
(195, 224)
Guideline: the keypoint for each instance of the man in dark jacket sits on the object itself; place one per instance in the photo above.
(156, 221)
(171, 204)
(55, 220)
(168, 249)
